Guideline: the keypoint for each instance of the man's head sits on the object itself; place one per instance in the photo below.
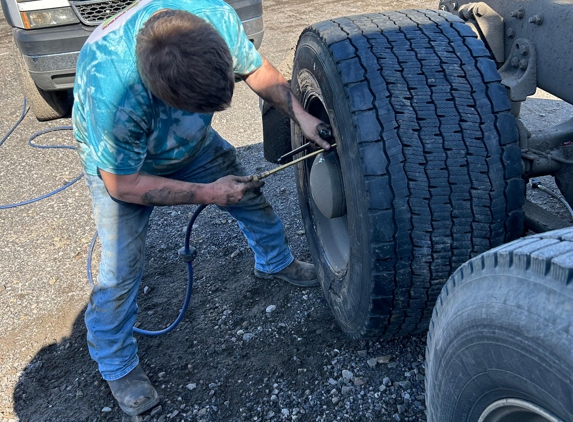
(185, 62)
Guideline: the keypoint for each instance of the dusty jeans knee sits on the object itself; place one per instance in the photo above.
(122, 229)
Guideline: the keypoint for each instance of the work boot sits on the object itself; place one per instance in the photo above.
(298, 273)
(134, 392)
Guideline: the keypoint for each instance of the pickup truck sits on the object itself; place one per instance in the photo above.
(48, 36)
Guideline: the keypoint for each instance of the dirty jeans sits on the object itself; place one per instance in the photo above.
(122, 229)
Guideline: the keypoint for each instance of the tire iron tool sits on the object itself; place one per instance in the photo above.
(266, 174)
(324, 131)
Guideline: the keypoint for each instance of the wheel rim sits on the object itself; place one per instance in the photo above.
(332, 232)
(515, 410)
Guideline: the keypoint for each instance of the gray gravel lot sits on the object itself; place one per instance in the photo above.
(43, 286)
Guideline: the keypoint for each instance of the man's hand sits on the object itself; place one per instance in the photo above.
(311, 126)
(229, 190)
(271, 86)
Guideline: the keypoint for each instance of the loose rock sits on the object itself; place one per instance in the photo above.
(384, 359)
(405, 384)
(346, 390)
(156, 410)
(358, 381)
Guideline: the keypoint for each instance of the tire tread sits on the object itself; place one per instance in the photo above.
(545, 257)
(420, 86)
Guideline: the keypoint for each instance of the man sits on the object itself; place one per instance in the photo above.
(147, 84)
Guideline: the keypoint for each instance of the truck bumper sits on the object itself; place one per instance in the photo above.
(51, 53)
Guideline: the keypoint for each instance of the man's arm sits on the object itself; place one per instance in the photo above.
(271, 86)
(145, 189)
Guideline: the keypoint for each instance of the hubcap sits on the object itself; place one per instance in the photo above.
(326, 186)
(331, 231)
(515, 410)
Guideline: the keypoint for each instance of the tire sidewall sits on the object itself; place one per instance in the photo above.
(499, 336)
(347, 292)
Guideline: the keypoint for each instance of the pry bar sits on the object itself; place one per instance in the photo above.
(265, 174)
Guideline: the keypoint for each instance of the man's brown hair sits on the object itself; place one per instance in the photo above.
(185, 62)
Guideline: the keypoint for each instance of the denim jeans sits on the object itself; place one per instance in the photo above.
(122, 229)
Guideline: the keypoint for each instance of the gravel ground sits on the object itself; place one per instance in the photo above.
(247, 349)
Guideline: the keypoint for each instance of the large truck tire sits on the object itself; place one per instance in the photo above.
(46, 105)
(500, 345)
(427, 167)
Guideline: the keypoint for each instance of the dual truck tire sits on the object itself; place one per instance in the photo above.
(429, 166)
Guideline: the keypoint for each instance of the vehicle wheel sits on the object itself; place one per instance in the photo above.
(46, 105)
(427, 171)
(501, 338)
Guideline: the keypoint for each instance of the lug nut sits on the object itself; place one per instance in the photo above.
(524, 49)
(510, 32)
(536, 19)
(518, 13)
(515, 62)
(464, 13)
(523, 64)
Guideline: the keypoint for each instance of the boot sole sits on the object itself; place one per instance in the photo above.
(297, 283)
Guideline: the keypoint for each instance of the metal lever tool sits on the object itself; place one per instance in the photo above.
(265, 174)
(324, 131)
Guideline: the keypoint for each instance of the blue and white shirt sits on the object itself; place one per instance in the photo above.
(120, 126)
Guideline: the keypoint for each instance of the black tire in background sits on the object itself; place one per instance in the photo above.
(500, 345)
(46, 105)
(429, 158)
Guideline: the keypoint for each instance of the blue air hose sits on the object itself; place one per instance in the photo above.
(188, 253)
(24, 112)
(32, 144)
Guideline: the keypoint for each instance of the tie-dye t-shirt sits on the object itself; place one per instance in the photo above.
(120, 126)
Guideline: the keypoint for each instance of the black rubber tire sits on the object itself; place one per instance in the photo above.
(46, 105)
(503, 328)
(429, 158)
